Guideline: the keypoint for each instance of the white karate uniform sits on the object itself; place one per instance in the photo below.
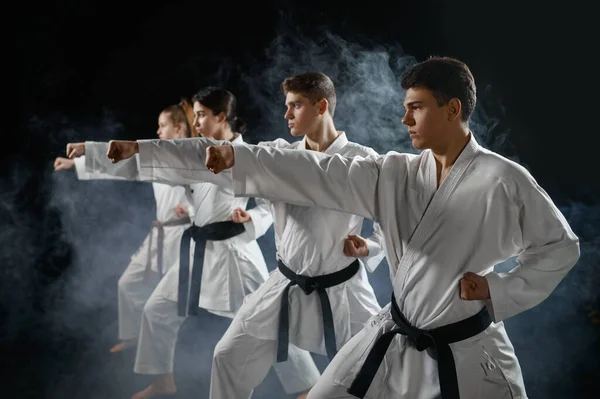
(137, 282)
(309, 241)
(486, 210)
(232, 269)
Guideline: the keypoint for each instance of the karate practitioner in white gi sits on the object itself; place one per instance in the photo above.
(160, 249)
(448, 216)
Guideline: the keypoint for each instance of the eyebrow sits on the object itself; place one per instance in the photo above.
(412, 103)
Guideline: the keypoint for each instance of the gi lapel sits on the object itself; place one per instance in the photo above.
(424, 228)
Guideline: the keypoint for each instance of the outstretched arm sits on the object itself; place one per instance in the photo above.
(301, 177)
(180, 161)
(97, 165)
(94, 166)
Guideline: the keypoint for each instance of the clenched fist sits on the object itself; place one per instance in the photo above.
(474, 287)
(219, 158)
(240, 216)
(119, 150)
(75, 150)
(355, 246)
(63, 164)
(181, 211)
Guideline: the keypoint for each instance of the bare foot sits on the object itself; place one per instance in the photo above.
(121, 346)
(163, 385)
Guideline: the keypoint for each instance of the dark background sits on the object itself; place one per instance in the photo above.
(94, 70)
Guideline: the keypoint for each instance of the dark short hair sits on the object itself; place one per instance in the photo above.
(312, 85)
(446, 78)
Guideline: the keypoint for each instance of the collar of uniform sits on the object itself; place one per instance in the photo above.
(238, 139)
(340, 142)
(469, 151)
(337, 144)
(471, 148)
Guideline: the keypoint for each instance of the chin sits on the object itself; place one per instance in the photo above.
(419, 144)
(295, 133)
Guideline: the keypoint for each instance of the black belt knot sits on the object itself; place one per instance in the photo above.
(310, 284)
(438, 339)
(211, 232)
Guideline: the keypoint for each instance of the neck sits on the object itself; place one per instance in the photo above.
(446, 155)
(226, 135)
(321, 139)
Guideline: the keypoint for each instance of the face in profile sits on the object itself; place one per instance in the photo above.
(206, 123)
(427, 122)
(301, 114)
(167, 130)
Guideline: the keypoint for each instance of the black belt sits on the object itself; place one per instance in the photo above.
(160, 242)
(211, 232)
(437, 339)
(308, 285)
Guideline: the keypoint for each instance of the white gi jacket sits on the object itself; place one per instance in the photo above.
(486, 210)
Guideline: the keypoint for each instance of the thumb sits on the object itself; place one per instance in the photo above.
(350, 247)
(211, 157)
(355, 240)
(467, 287)
(472, 277)
(113, 149)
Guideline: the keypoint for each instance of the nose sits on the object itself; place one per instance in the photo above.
(407, 119)
(289, 114)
